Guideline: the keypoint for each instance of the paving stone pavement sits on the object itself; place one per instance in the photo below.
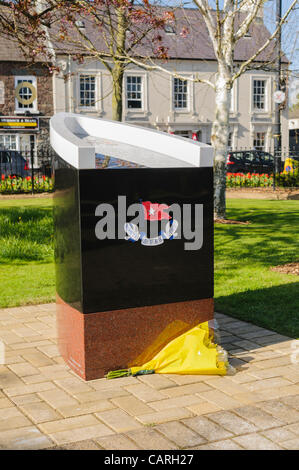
(44, 405)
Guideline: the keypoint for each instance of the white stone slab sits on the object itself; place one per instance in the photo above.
(77, 139)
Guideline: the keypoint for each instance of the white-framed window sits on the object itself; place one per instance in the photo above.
(259, 95)
(180, 94)
(134, 92)
(25, 96)
(87, 91)
(8, 142)
(20, 142)
(259, 140)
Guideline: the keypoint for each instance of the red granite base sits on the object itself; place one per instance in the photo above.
(95, 343)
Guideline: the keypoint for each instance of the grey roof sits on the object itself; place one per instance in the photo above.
(196, 46)
(10, 51)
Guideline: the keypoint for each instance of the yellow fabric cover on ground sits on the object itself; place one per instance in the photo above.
(191, 353)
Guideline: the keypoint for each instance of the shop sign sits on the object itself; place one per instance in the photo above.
(19, 123)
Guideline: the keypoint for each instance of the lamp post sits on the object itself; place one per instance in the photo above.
(277, 126)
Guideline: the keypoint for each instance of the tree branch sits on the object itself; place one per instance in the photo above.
(249, 61)
(155, 67)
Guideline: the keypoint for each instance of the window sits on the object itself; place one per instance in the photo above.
(8, 142)
(265, 157)
(169, 29)
(19, 142)
(251, 157)
(134, 92)
(25, 92)
(259, 141)
(80, 24)
(259, 95)
(180, 91)
(87, 91)
(185, 134)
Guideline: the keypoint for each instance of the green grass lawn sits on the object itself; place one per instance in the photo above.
(244, 285)
(26, 252)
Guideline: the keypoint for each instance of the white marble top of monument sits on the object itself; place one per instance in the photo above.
(77, 139)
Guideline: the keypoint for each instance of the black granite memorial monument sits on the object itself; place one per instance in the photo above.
(133, 214)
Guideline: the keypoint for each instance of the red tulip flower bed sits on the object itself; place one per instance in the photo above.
(255, 180)
(248, 180)
(14, 184)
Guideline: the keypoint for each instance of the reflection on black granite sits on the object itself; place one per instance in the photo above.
(67, 243)
(107, 163)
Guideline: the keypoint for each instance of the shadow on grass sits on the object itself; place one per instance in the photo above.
(26, 213)
(281, 314)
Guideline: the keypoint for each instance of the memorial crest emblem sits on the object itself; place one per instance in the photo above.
(155, 214)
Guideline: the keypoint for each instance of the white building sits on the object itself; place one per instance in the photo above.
(158, 100)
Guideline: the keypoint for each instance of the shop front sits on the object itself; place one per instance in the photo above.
(19, 134)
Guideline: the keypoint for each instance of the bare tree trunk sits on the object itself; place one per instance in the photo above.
(117, 94)
(220, 133)
(118, 67)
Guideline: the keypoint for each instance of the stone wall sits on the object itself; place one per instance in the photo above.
(8, 71)
(44, 84)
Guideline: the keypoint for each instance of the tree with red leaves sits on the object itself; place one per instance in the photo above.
(110, 31)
